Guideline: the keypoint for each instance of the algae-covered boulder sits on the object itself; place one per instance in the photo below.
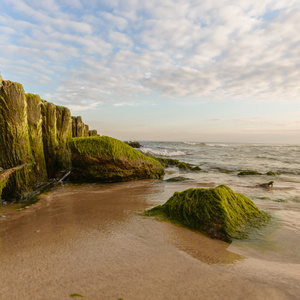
(50, 136)
(57, 131)
(64, 134)
(248, 172)
(93, 132)
(167, 162)
(14, 139)
(34, 117)
(105, 159)
(86, 130)
(219, 212)
(134, 144)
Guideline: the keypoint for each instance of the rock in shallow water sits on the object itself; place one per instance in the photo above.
(105, 159)
(219, 212)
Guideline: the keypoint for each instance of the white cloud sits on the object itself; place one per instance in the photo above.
(208, 49)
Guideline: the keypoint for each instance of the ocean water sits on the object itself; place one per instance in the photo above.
(221, 163)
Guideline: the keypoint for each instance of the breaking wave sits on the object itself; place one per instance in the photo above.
(162, 152)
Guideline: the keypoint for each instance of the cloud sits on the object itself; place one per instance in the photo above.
(198, 50)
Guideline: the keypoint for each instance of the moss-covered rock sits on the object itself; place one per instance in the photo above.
(74, 127)
(50, 137)
(93, 132)
(248, 172)
(34, 117)
(178, 179)
(270, 173)
(14, 139)
(86, 130)
(105, 159)
(219, 212)
(64, 135)
(134, 144)
(166, 162)
(57, 131)
(79, 126)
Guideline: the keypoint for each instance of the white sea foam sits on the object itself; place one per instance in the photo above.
(194, 144)
(218, 145)
(189, 143)
(161, 152)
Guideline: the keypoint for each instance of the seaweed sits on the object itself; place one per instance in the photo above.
(106, 159)
(219, 212)
(166, 162)
(2, 186)
(270, 173)
(76, 295)
(248, 172)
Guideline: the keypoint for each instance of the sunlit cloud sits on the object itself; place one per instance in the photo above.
(207, 49)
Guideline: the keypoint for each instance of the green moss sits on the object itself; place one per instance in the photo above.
(76, 295)
(15, 145)
(108, 159)
(2, 186)
(166, 162)
(197, 168)
(14, 141)
(50, 141)
(219, 212)
(79, 127)
(134, 144)
(64, 135)
(183, 166)
(178, 179)
(108, 147)
(270, 173)
(93, 132)
(34, 118)
(248, 172)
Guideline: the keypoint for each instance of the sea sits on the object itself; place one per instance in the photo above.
(221, 163)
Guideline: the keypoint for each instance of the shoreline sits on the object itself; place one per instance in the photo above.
(88, 239)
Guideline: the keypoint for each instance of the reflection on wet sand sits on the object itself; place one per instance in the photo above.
(89, 239)
(199, 246)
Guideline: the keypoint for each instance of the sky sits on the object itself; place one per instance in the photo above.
(162, 70)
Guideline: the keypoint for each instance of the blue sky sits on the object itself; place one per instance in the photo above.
(192, 70)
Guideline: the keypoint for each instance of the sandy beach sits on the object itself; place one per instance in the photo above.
(89, 240)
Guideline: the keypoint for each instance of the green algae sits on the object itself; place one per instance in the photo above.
(178, 179)
(86, 130)
(34, 118)
(50, 141)
(197, 168)
(219, 212)
(166, 162)
(248, 172)
(14, 141)
(79, 127)
(77, 295)
(93, 132)
(108, 147)
(134, 144)
(64, 135)
(106, 159)
(57, 132)
(15, 148)
(270, 173)
(2, 186)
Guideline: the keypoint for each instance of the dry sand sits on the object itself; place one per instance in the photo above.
(88, 239)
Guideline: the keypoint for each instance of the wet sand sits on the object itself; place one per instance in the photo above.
(89, 240)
